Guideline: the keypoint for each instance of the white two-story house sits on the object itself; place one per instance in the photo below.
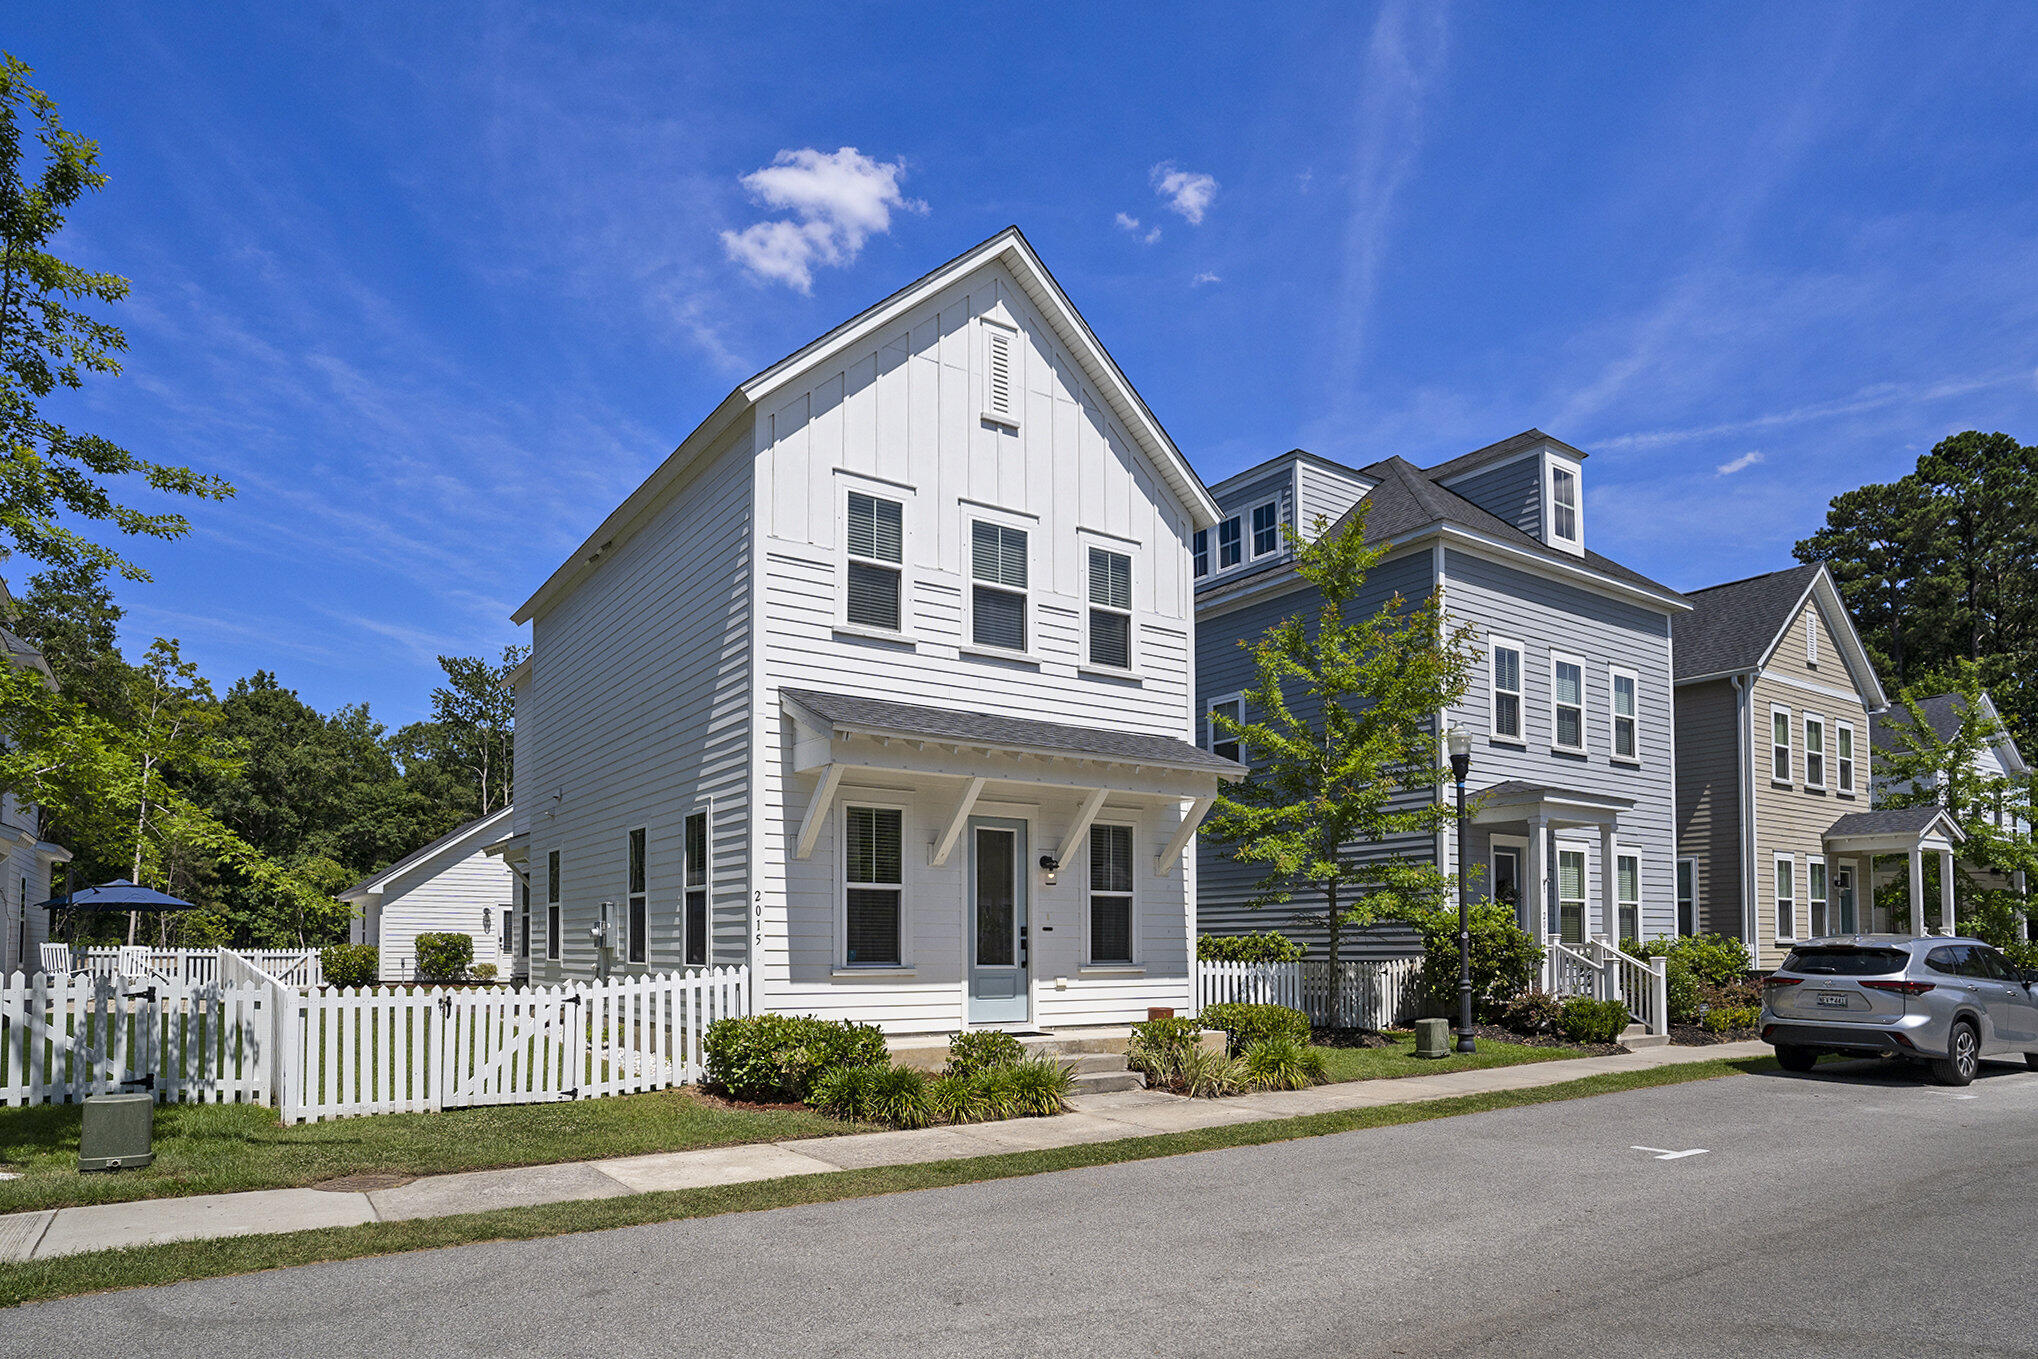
(881, 683)
(1569, 708)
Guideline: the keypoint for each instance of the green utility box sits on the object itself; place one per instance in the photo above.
(119, 1132)
(1432, 1037)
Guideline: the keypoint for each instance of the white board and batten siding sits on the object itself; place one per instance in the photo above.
(901, 415)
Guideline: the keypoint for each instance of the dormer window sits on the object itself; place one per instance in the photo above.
(1229, 543)
(1565, 526)
(1202, 554)
(1266, 528)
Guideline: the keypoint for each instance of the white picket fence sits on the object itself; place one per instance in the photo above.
(292, 967)
(1363, 995)
(65, 1037)
(393, 1049)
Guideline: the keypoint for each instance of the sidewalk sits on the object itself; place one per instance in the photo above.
(1094, 1118)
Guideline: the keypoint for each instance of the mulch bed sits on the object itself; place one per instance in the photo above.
(723, 1102)
(1366, 1038)
(1694, 1036)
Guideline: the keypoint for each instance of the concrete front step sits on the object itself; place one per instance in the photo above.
(1634, 1038)
(1105, 1082)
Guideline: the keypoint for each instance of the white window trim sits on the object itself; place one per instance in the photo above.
(1813, 904)
(1618, 904)
(1494, 645)
(1677, 894)
(1552, 464)
(1089, 544)
(1776, 902)
(1206, 572)
(902, 496)
(555, 911)
(1789, 751)
(1810, 720)
(1210, 736)
(905, 811)
(1252, 552)
(1584, 704)
(1026, 524)
(991, 331)
(1614, 672)
(1138, 954)
(1844, 772)
(1217, 566)
(704, 808)
(630, 899)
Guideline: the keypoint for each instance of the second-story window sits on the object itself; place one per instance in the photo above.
(1222, 743)
(1229, 547)
(1843, 738)
(1814, 751)
(1506, 690)
(1567, 703)
(695, 926)
(640, 944)
(1266, 528)
(1202, 553)
(1779, 744)
(876, 554)
(552, 932)
(998, 597)
(1625, 746)
(1110, 609)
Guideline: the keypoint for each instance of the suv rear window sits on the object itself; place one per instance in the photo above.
(1847, 962)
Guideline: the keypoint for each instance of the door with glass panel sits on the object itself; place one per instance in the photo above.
(998, 993)
(1845, 919)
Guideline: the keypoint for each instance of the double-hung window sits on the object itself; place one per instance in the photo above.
(1202, 553)
(1229, 546)
(1266, 528)
(877, 541)
(1110, 609)
(1111, 894)
(1221, 742)
(1786, 897)
(1815, 894)
(873, 869)
(998, 595)
(1843, 741)
(1779, 745)
(1505, 718)
(1814, 751)
(1571, 895)
(1687, 897)
(1564, 504)
(552, 905)
(1567, 703)
(635, 924)
(524, 921)
(694, 928)
(1624, 684)
(1627, 882)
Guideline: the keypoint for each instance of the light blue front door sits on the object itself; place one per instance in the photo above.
(997, 922)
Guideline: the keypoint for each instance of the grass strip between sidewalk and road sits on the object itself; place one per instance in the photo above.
(146, 1266)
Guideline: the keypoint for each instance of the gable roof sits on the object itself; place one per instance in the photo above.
(1009, 248)
(1943, 713)
(1735, 627)
(1292, 455)
(485, 830)
(1893, 821)
(1501, 452)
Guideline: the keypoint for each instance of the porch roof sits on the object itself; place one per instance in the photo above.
(1893, 830)
(1519, 800)
(856, 715)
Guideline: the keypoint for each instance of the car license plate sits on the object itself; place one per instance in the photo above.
(1835, 998)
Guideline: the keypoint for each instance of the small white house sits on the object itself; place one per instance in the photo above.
(29, 865)
(880, 684)
(453, 885)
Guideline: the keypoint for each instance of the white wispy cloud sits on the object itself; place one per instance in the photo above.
(838, 200)
(1188, 192)
(1740, 464)
(1205, 277)
(1130, 224)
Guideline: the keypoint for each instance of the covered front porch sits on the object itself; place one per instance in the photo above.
(1866, 840)
(946, 870)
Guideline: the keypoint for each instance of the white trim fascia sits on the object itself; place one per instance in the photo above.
(1809, 687)
(376, 884)
(2013, 765)
(1870, 695)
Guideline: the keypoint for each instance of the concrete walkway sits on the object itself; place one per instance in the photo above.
(1094, 1118)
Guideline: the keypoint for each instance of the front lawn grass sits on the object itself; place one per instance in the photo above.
(1372, 1064)
(142, 1266)
(220, 1148)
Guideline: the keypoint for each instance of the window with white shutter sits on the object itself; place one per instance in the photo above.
(998, 592)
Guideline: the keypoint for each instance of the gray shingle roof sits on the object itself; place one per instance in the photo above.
(949, 724)
(1942, 714)
(1885, 821)
(1730, 626)
(1506, 448)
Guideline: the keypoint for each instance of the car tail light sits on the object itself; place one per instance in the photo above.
(1782, 981)
(1901, 988)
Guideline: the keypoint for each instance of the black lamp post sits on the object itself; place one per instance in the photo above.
(1460, 746)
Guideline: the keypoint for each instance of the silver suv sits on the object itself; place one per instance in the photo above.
(1946, 1001)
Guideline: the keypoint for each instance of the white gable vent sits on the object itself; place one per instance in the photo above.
(1001, 378)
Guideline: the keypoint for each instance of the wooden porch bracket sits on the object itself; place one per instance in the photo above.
(1198, 809)
(817, 810)
(1080, 828)
(943, 847)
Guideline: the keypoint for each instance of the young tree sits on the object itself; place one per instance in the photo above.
(1341, 737)
(464, 755)
(47, 342)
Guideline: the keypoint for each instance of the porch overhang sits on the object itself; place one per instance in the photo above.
(841, 736)
(1894, 830)
(1519, 801)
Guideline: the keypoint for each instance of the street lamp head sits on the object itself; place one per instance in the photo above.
(1459, 744)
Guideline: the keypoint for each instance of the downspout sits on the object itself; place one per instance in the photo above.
(1744, 693)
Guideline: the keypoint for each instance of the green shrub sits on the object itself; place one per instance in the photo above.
(1530, 1012)
(1682, 989)
(482, 972)
(1203, 1074)
(444, 957)
(1158, 1047)
(1505, 958)
(1041, 1086)
(1729, 1018)
(1248, 948)
(980, 1050)
(1245, 1025)
(1716, 959)
(874, 1094)
(1585, 1020)
(2022, 955)
(1282, 1064)
(350, 964)
(778, 1058)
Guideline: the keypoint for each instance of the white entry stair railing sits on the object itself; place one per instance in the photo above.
(1601, 970)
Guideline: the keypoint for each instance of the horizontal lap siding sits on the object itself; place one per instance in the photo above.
(1546, 615)
(1709, 800)
(640, 690)
(1512, 491)
(1325, 493)
(900, 415)
(449, 894)
(1225, 887)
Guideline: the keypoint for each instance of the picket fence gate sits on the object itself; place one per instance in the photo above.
(393, 1049)
(1364, 995)
(63, 1038)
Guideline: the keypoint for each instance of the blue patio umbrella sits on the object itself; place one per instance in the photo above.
(118, 895)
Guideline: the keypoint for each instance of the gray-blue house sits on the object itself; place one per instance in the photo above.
(1573, 751)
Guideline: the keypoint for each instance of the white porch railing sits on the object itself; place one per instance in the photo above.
(1366, 995)
(1601, 970)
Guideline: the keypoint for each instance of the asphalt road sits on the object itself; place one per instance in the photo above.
(1871, 1215)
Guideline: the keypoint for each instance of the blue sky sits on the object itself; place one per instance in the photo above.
(436, 289)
